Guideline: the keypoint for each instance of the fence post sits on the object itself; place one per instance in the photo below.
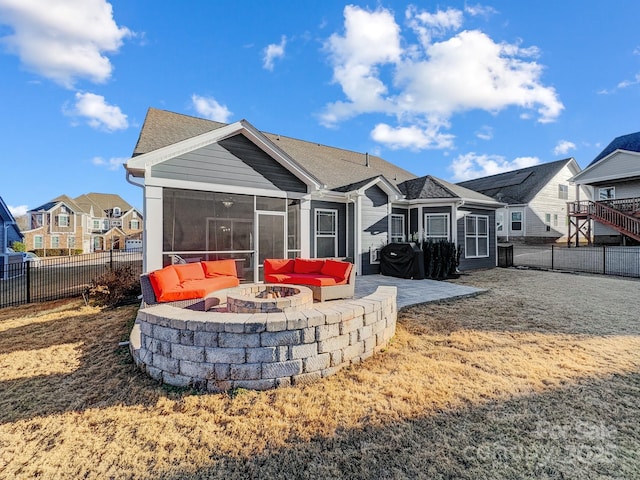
(604, 260)
(552, 252)
(111, 260)
(28, 265)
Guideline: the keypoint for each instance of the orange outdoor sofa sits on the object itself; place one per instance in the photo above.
(186, 285)
(329, 279)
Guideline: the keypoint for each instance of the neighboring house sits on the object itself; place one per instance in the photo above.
(10, 232)
(91, 222)
(536, 198)
(613, 178)
(214, 190)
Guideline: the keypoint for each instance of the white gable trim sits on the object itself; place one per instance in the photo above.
(138, 165)
(584, 178)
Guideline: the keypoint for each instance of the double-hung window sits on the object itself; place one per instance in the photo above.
(63, 220)
(516, 221)
(397, 228)
(563, 192)
(436, 227)
(476, 236)
(326, 233)
(55, 242)
(37, 241)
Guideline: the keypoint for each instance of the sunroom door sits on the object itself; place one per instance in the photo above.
(271, 238)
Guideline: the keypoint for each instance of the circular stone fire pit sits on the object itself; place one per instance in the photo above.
(267, 298)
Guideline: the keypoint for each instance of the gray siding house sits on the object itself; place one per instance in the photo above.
(215, 190)
(10, 232)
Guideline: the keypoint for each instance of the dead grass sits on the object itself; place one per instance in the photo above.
(537, 378)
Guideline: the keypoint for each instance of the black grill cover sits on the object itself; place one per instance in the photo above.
(402, 260)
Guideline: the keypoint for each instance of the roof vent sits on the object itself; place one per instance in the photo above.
(366, 156)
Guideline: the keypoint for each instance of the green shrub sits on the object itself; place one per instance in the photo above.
(18, 247)
(119, 286)
(56, 252)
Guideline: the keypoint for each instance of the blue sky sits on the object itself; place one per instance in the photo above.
(452, 89)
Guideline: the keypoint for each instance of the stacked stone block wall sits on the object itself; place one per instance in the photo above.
(220, 351)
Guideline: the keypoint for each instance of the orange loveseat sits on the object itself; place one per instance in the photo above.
(187, 284)
(327, 278)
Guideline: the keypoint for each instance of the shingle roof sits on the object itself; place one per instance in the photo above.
(101, 202)
(630, 142)
(335, 167)
(432, 187)
(518, 186)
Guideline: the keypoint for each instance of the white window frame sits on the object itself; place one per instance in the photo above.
(395, 235)
(602, 190)
(334, 234)
(38, 239)
(511, 221)
(71, 242)
(137, 227)
(428, 236)
(563, 191)
(55, 238)
(117, 212)
(476, 235)
(62, 216)
(499, 221)
(95, 224)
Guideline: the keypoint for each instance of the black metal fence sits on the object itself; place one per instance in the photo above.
(46, 279)
(604, 260)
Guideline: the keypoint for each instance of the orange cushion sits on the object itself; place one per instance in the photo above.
(278, 265)
(336, 268)
(181, 293)
(216, 268)
(307, 265)
(315, 279)
(278, 278)
(189, 271)
(164, 280)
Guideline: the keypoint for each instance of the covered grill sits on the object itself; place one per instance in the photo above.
(402, 260)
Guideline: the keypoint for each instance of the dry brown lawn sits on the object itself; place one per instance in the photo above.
(537, 378)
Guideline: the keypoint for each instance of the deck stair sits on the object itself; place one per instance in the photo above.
(622, 215)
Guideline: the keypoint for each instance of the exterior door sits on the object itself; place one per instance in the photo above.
(271, 238)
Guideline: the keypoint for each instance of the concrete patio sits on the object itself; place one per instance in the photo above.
(411, 292)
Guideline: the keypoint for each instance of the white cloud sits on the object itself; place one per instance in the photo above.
(563, 147)
(99, 114)
(412, 137)
(113, 163)
(209, 108)
(18, 211)
(273, 51)
(485, 133)
(63, 40)
(472, 165)
(629, 83)
(427, 83)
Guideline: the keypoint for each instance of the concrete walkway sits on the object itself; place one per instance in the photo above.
(411, 292)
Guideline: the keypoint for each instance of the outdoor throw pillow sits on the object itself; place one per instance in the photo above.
(308, 265)
(217, 268)
(189, 271)
(336, 268)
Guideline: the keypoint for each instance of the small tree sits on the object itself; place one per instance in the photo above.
(19, 247)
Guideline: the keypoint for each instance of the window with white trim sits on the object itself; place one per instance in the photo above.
(606, 193)
(516, 221)
(63, 220)
(134, 225)
(71, 242)
(397, 228)
(563, 192)
(499, 221)
(326, 233)
(96, 224)
(436, 226)
(476, 236)
(37, 241)
(55, 242)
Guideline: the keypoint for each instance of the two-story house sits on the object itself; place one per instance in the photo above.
(91, 222)
(536, 201)
(612, 215)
